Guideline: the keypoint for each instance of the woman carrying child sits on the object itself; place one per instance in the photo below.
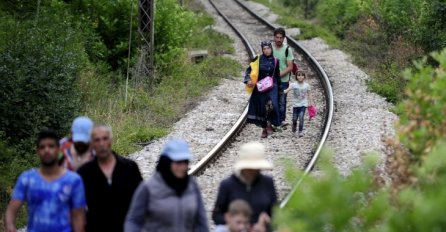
(263, 108)
(301, 98)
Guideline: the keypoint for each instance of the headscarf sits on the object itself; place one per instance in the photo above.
(267, 43)
(179, 185)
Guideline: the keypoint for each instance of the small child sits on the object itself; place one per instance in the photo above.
(301, 98)
(237, 217)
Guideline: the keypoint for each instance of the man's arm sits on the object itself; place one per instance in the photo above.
(289, 67)
(78, 220)
(11, 215)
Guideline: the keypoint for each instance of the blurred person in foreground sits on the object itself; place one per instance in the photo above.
(237, 218)
(54, 196)
(76, 149)
(249, 184)
(110, 181)
(170, 200)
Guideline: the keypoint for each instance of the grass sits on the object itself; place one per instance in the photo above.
(309, 30)
(150, 114)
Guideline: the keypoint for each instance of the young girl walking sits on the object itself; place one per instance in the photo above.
(301, 99)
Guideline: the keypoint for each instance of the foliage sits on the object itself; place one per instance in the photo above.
(398, 17)
(292, 18)
(420, 206)
(174, 25)
(387, 82)
(108, 24)
(339, 15)
(307, 7)
(40, 60)
(431, 29)
(332, 202)
(309, 31)
(423, 123)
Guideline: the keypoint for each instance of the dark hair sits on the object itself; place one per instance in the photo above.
(47, 134)
(279, 30)
(301, 73)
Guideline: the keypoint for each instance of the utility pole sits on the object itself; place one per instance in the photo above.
(146, 31)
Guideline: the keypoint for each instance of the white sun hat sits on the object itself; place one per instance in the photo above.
(252, 156)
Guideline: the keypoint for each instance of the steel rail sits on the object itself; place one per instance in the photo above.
(241, 120)
(328, 91)
(328, 113)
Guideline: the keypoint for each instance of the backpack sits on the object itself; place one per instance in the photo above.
(295, 68)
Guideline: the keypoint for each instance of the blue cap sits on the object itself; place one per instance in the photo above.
(176, 150)
(81, 129)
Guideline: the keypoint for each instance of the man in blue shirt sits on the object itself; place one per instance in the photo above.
(54, 195)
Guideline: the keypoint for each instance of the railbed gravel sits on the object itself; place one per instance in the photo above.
(361, 120)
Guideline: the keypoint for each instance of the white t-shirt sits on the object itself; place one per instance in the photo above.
(300, 94)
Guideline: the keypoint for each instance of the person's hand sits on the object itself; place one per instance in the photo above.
(264, 219)
(258, 228)
(250, 84)
(11, 228)
(261, 224)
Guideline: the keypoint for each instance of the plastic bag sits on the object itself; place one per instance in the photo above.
(312, 111)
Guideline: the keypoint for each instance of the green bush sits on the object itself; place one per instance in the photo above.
(39, 64)
(332, 202)
(423, 123)
(398, 17)
(339, 15)
(108, 24)
(173, 28)
(305, 7)
(430, 31)
(387, 82)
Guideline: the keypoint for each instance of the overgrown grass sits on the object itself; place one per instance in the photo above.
(289, 18)
(150, 115)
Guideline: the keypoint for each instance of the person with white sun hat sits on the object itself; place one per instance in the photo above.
(249, 184)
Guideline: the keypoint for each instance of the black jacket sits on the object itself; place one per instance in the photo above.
(108, 204)
(261, 196)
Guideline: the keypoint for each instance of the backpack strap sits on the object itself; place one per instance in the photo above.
(286, 51)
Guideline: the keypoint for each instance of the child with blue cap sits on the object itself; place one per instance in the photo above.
(77, 150)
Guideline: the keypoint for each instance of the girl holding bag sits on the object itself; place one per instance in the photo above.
(301, 100)
(262, 79)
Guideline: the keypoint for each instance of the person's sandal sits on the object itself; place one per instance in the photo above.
(285, 123)
(264, 134)
(269, 130)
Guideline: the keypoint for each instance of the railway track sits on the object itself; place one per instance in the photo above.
(217, 163)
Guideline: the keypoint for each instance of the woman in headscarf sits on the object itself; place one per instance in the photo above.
(249, 184)
(170, 200)
(263, 108)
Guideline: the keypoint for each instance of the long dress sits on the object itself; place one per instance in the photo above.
(264, 107)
